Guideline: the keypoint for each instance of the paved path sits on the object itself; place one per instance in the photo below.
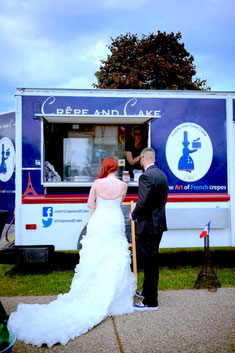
(188, 321)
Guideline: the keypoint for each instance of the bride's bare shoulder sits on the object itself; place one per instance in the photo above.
(123, 184)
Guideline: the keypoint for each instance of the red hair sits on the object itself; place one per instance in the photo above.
(108, 166)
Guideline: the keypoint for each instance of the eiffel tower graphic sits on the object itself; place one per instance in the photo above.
(30, 189)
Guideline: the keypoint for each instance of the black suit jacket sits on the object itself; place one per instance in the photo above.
(149, 212)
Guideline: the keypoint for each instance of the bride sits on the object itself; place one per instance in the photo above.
(103, 284)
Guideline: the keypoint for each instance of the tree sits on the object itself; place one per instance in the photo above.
(156, 61)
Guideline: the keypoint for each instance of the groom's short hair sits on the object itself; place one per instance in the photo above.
(148, 153)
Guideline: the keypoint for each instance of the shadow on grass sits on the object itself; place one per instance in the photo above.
(59, 261)
(171, 258)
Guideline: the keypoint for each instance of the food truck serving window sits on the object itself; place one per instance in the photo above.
(74, 152)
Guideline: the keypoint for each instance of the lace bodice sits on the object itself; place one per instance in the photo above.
(107, 203)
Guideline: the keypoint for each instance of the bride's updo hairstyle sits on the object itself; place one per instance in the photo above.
(108, 166)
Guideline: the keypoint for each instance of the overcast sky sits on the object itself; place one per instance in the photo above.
(58, 43)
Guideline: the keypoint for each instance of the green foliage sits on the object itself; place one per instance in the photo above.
(156, 61)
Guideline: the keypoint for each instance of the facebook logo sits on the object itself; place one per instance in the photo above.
(47, 214)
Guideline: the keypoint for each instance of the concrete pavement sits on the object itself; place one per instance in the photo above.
(188, 321)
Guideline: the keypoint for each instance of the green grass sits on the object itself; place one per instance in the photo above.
(179, 269)
(14, 283)
(185, 277)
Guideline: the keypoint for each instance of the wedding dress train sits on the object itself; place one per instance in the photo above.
(103, 285)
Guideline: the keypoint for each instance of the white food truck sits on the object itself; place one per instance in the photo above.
(63, 135)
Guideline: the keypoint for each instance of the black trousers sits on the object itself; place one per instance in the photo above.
(148, 246)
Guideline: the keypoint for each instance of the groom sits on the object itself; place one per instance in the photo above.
(150, 218)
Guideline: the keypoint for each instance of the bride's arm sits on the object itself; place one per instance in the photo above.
(124, 191)
(91, 203)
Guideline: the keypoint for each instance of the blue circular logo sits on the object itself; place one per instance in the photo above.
(7, 159)
(189, 152)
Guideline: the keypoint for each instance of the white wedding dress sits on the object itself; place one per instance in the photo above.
(103, 285)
